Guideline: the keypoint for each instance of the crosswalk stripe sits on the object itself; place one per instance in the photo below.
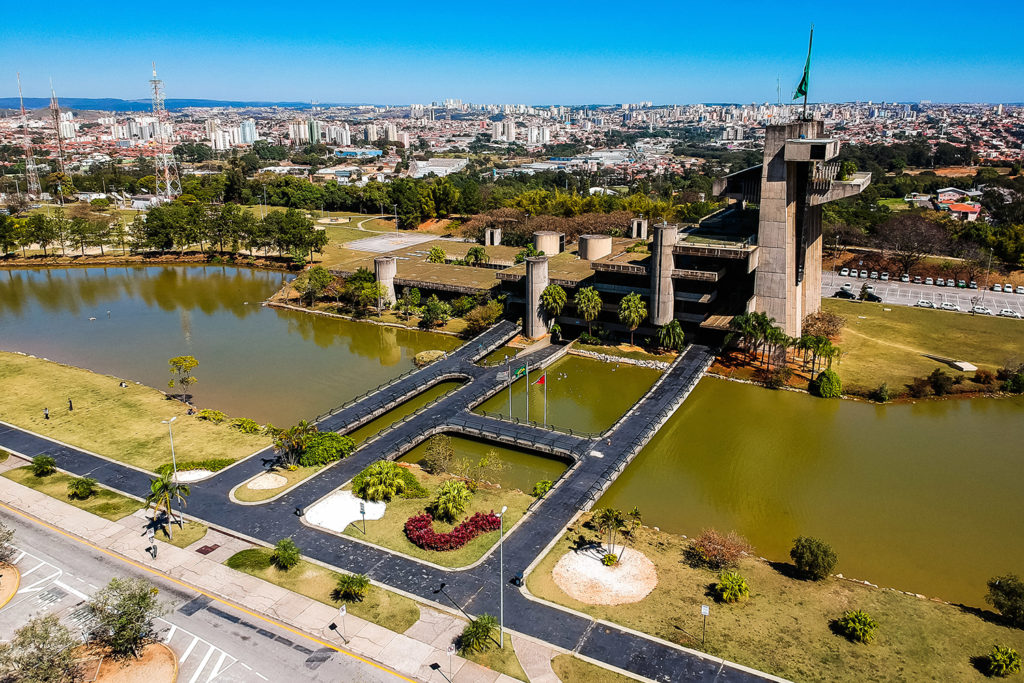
(188, 650)
(202, 665)
(217, 666)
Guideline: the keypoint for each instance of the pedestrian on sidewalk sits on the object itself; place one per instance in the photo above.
(151, 537)
(71, 406)
(46, 413)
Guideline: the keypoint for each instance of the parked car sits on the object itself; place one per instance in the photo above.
(844, 294)
(872, 297)
(874, 274)
(1020, 289)
(941, 282)
(924, 303)
(845, 272)
(904, 278)
(950, 283)
(1008, 288)
(997, 288)
(973, 285)
(1009, 313)
(947, 306)
(864, 273)
(917, 279)
(848, 286)
(982, 310)
(929, 281)
(885, 276)
(961, 284)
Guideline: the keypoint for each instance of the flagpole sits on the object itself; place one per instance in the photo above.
(527, 392)
(545, 399)
(810, 41)
(508, 367)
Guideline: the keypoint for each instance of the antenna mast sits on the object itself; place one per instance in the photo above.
(168, 185)
(55, 113)
(31, 176)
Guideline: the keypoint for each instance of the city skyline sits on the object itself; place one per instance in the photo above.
(416, 53)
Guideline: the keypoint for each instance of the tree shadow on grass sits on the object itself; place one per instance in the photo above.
(980, 662)
(788, 570)
(986, 615)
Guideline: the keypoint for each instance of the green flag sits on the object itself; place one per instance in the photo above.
(801, 88)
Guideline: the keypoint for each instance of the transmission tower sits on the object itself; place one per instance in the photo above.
(55, 113)
(168, 185)
(31, 176)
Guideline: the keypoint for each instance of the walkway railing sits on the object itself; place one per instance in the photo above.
(539, 425)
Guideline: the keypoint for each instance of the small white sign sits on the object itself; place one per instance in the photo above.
(705, 610)
(362, 508)
(343, 610)
(451, 650)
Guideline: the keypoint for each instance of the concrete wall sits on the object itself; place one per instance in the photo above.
(593, 247)
(662, 264)
(547, 241)
(384, 270)
(536, 282)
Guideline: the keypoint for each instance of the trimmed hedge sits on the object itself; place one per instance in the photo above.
(213, 464)
(326, 447)
(420, 530)
(827, 385)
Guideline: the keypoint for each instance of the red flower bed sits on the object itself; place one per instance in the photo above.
(420, 530)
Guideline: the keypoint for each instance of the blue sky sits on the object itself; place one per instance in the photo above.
(550, 52)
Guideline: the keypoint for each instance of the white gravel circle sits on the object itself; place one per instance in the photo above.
(189, 476)
(266, 481)
(338, 510)
(582, 577)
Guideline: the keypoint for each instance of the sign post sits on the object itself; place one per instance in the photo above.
(343, 610)
(451, 651)
(362, 511)
(704, 610)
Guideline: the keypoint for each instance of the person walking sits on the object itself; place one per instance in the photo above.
(71, 406)
(151, 537)
(46, 413)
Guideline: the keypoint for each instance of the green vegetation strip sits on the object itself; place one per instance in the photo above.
(569, 668)
(783, 627)
(882, 345)
(120, 423)
(503, 660)
(183, 537)
(623, 353)
(105, 503)
(382, 607)
(389, 531)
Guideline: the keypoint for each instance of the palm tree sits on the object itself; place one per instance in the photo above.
(552, 300)
(291, 442)
(451, 501)
(635, 520)
(476, 256)
(162, 493)
(436, 255)
(609, 521)
(588, 305)
(380, 481)
(671, 336)
(632, 312)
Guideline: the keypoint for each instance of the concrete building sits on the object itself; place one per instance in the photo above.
(247, 132)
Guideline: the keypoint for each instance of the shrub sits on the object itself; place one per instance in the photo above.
(813, 557)
(212, 464)
(940, 382)
(1015, 383)
(477, 636)
(541, 487)
(450, 502)
(986, 377)
(714, 550)
(1002, 662)
(352, 587)
(881, 394)
(920, 387)
(326, 447)
(587, 338)
(380, 481)
(824, 324)
(857, 626)
(1006, 594)
(463, 305)
(827, 384)
(482, 317)
(777, 378)
(43, 465)
(420, 531)
(609, 559)
(731, 587)
(286, 554)
(246, 426)
(214, 416)
(81, 487)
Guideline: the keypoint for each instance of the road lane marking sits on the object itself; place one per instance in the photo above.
(202, 665)
(217, 666)
(188, 650)
(77, 593)
(170, 633)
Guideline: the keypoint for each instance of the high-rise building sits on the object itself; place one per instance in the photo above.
(298, 131)
(370, 133)
(314, 131)
(391, 132)
(247, 132)
(403, 137)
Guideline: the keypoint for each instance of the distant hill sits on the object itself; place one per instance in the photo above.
(114, 104)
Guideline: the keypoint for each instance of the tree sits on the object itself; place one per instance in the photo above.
(714, 550)
(352, 587)
(286, 554)
(827, 384)
(814, 558)
(81, 487)
(1006, 594)
(440, 455)
(731, 587)
(857, 626)
(162, 494)
(1002, 661)
(43, 466)
(450, 502)
(41, 651)
(125, 613)
(632, 312)
(291, 443)
(436, 255)
(908, 237)
(477, 636)
(552, 300)
(609, 521)
(380, 481)
(671, 336)
(476, 256)
(318, 280)
(588, 305)
(482, 317)
(435, 312)
(410, 301)
(541, 487)
(8, 234)
(181, 368)
(6, 549)
(40, 230)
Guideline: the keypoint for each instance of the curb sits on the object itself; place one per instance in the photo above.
(17, 585)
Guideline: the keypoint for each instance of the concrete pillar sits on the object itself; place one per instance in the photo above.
(638, 228)
(492, 237)
(593, 247)
(663, 295)
(384, 269)
(536, 282)
(548, 241)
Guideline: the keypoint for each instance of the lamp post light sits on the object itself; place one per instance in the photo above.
(174, 462)
(501, 577)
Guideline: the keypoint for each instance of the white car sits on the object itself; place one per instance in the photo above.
(874, 274)
(950, 283)
(940, 282)
(982, 310)
(904, 278)
(845, 272)
(864, 273)
(1008, 288)
(1020, 289)
(1009, 313)
(848, 286)
(924, 303)
(885, 277)
(929, 281)
(997, 288)
(946, 306)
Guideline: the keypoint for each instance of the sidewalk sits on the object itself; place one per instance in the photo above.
(412, 654)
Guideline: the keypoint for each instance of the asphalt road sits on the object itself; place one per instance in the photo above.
(908, 294)
(213, 641)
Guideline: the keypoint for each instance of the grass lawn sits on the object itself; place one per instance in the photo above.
(122, 424)
(888, 346)
(894, 204)
(382, 607)
(502, 660)
(104, 502)
(389, 531)
(632, 352)
(192, 532)
(569, 668)
(783, 628)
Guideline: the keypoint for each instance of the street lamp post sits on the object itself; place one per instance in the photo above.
(501, 577)
(174, 462)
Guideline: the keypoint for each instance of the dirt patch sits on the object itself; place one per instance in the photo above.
(10, 579)
(157, 664)
(266, 482)
(583, 577)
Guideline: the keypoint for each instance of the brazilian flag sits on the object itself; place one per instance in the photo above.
(520, 372)
(801, 88)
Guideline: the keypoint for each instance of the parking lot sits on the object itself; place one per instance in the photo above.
(908, 294)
